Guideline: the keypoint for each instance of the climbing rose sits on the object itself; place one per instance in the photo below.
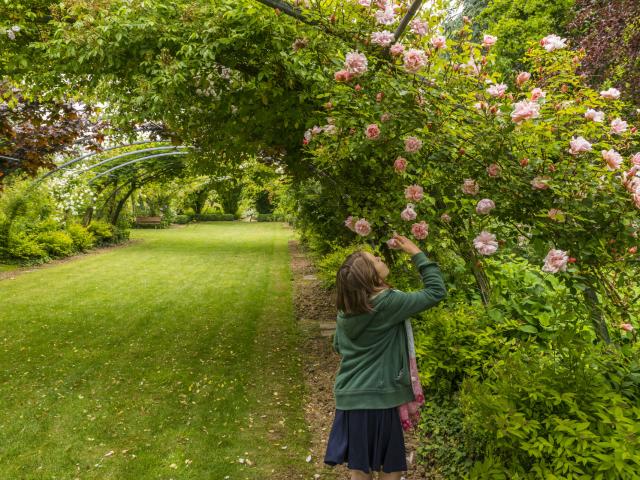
(379, 96)
(445, 217)
(362, 227)
(627, 327)
(372, 131)
(537, 93)
(613, 159)
(412, 144)
(489, 40)
(386, 16)
(486, 243)
(400, 165)
(618, 126)
(355, 63)
(539, 183)
(393, 243)
(385, 117)
(635, 159)
(420, 230)
(553, 42)
(414, 60)
(414, 192)
(494, 170)
(342, 76)
(579, 145)
(470, 187)
(611, 94)
(522, 78)
(497, 90)
(594, 115)
(485, 206)
(555, 214)
(439, 42)
(555, 261)
(396, 49)
(383, 38)
(419, 27)
(636, 199)
(365, 3)
(408, 213)
(525, 110)
(350, 223)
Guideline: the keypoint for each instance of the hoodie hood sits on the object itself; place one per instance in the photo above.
(354, 325)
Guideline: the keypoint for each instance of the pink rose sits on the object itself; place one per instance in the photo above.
(613, 159)
(470, 187)
(537, 93)
(594, 115)
(522, 78)
(385, 117)
(342, 76)
(439, 42)
(350, 223)
(556, 215)
(414, 192)
(618, 126)
(481, 105)
(485, 206)
(610, 94)
(489, 40)
(525, 110)
(553, 42)
(393, 244)
(362, 227)
(419, 27)
(414, 60)
(396, 49)
(372, 131)
(494, 170)
(636, 199)
(579, 145)
(355, 63)
(555, 261)
(486, 243)
(497, 90)
(635, 159)
(383, 38)
(627, 327)
(420, 230)
(386, 16)
(408, 213)
(365, 3)
(400, 164)
(540, 183)
(445, 217)
(412, 144)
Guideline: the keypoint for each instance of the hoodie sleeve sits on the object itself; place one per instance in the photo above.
(410, 303)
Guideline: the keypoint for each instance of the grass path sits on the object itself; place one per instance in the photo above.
(172, 358)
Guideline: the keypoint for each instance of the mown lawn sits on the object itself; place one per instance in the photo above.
(174, 357)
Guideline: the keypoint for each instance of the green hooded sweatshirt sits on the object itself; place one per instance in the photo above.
(374, 370)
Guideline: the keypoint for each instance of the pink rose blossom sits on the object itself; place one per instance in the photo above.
(350, 223)
(385, 117)
(355, 63)
(635, 159)
(525, 110)
(494, 170)
(414, 60)
(485, 206)
(386, 16)
(372, 131)
(594, 115)
(439, 42)
(362, 227)
(420, 230)
(522, 78)
(400, 164)
(627, 327)
(481, 105)
(396, 49)
(555, 214)
(486, 243)
(579, 145)
(419, 27)
(383, 38)
(342, 76)
(408, 213)
(553, 42)
(489, 40)
(412, 144)
(636, 199)
(610, 94)
(445, 217)
(470, 187)
(497, 90)
(537, 93)
(365, 3)
(618, 126)
(379, 96)
(613, 159)
(414, 192)
(540, 183)
(555, 261)
(393, 243)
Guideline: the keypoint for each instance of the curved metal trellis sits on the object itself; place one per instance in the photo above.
(170, 154)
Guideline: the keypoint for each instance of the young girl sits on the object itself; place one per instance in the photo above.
(374, 379)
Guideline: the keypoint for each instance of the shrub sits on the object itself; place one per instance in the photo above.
(82, 238)
(57, 244)
(329, 265)
(214, 217)
(269, 217)
(26, 249)
(182, 219)
(103, 231)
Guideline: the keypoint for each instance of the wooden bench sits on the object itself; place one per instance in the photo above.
(148, 220)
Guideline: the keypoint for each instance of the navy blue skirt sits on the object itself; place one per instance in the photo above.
(367, 440)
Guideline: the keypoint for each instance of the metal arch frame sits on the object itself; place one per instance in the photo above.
(170, 154)
(13, 159)
(128, 154)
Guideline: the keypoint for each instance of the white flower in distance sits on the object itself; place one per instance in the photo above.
(555, 261)
(610, 94)
(383, 38)
(553, 42)
(594, 115)
(486, 243)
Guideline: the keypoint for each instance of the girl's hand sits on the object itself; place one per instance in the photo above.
(400, 242)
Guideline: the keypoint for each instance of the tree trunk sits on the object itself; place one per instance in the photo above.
(595, 313)
(123, 200)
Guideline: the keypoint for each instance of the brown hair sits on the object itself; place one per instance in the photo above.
(356, 281)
